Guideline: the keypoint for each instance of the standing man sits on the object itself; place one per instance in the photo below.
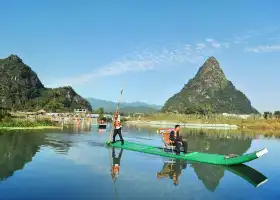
(177, 140)
(117, 127)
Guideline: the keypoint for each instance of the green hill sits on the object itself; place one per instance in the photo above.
(209, 92)
(22, 90)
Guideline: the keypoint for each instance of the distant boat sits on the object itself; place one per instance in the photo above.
(101, 125)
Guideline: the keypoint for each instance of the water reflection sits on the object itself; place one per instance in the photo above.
(82, 127)
(210, 175)
(172, 170)
(15, 151)
(79, 162)
(115, 168)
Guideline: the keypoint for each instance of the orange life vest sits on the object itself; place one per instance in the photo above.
(116, 169)
(117, 123)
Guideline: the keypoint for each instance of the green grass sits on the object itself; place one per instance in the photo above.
(10, 123)
(29, 128)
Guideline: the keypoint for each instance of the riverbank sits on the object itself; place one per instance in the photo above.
(165, 124)
(30, 128)
(256, 123)
(16, 124)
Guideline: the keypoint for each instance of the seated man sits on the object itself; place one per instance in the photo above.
(177, 140)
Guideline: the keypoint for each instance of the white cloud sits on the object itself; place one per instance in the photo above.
(209, 40)
(216, 45)
(145, 60)
(200, 46)
(267, 48)
(159, 57)
(241, 39)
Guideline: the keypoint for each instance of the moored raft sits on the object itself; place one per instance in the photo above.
(216, 159)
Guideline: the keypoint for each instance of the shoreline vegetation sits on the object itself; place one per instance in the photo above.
(9, 123)
(252, 123)
(30, 128)
(216, 133)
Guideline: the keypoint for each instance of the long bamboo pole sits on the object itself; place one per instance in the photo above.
(111, 132)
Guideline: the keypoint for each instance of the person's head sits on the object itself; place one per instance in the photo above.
(115, 169)
(177, 127)
(175, 180)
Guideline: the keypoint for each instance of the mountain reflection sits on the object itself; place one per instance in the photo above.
(211, 175)
(17, 149)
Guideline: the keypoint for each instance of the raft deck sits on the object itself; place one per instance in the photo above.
(216, 159)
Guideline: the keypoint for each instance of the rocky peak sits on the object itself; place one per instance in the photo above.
(14, 58)
(210, 74)
(209, 91)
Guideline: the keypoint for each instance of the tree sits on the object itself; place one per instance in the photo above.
(4, 113)
(190, 111)
(277, 114)
(100, 112)
(267, 115)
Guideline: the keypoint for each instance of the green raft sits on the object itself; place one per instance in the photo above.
(216, 159)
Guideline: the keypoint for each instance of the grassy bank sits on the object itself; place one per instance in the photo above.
(14, 124)
(218, 133)
(252, 123)
(29, 128)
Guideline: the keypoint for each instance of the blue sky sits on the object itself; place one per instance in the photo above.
(155, 46)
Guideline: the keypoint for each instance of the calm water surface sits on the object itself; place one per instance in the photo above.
(75, 164)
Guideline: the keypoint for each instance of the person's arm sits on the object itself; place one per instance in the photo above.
(172, 136)
(179, 137)
(114, 118)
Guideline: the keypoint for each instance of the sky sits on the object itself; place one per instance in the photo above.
(154, 46)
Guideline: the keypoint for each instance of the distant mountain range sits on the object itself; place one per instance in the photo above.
(133, 107)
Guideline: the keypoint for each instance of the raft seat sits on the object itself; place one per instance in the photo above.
(167, 142)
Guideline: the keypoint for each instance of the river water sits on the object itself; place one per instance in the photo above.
(75, 164)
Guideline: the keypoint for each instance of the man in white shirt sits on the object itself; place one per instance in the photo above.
(117, 127)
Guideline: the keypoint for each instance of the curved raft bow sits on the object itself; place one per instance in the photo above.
(216, 159)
